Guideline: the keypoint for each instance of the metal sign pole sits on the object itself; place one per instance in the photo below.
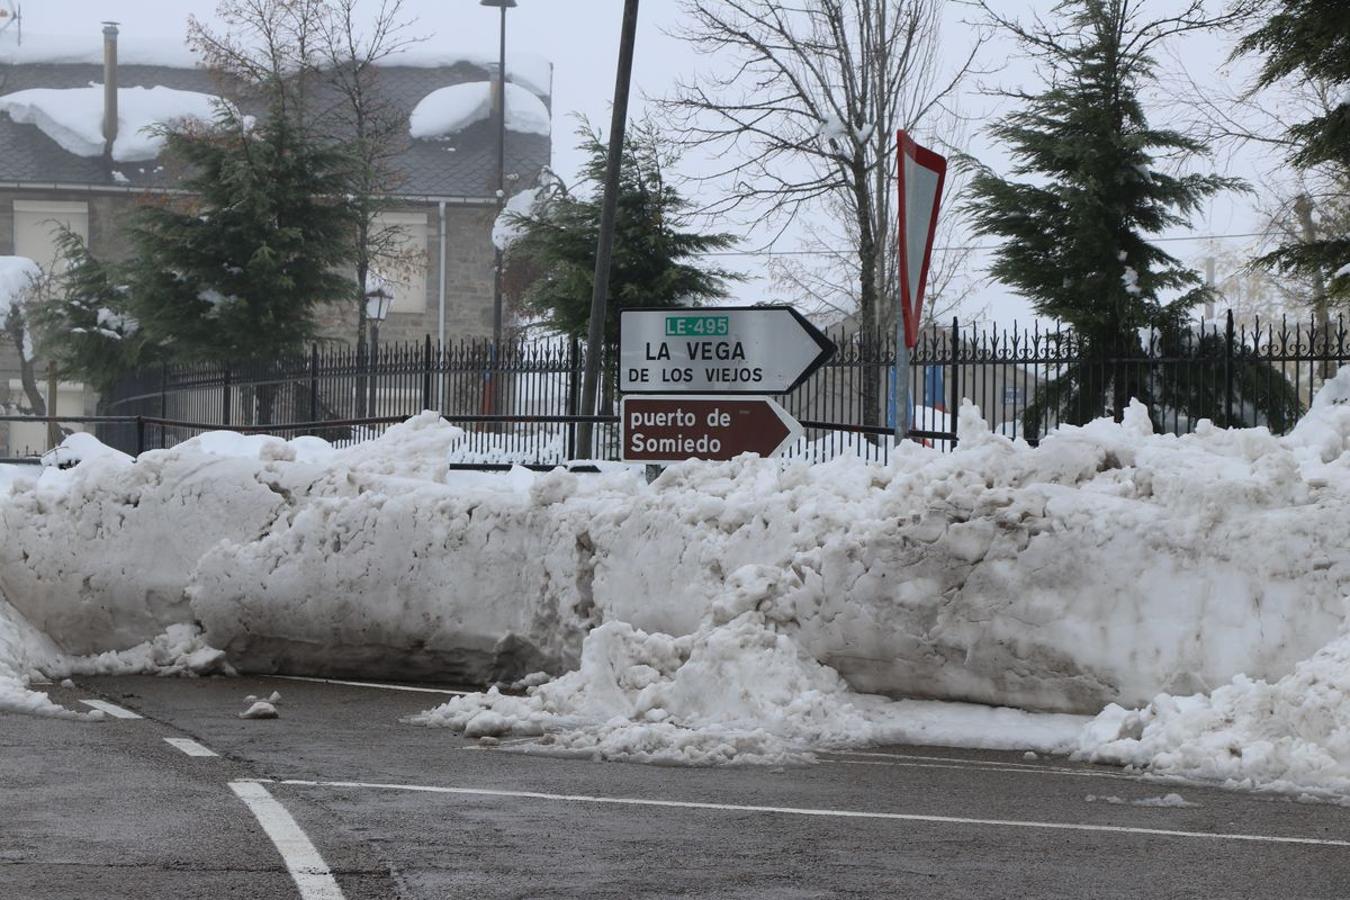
(901, 381)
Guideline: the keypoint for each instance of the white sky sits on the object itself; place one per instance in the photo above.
(581, 38)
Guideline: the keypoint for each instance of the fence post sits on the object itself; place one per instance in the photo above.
(314, 382)
(573, 367)
(163, 402)
(955, 411)
(225, 396)
(426, 373)
(1228, 373)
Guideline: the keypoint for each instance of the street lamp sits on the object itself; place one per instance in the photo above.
(379, 300)
(503, 5)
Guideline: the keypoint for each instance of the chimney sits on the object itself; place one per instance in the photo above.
(109, 87)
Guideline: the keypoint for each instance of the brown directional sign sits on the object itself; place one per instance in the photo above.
(670, 429)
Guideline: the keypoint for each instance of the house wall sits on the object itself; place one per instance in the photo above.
(468, 283)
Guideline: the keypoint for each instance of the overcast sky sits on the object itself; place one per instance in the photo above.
(581, 38)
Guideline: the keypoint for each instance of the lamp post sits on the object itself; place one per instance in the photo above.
(379, 300)
(503, 5)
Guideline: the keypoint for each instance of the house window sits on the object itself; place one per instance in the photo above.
(405, 234)
(37, 223)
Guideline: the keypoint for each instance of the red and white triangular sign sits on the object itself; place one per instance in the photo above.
(921, 174)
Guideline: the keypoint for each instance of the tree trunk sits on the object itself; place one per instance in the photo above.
(1303, 210)
(867, 293)
(36, 403)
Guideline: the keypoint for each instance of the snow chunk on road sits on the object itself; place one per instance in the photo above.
(73, 117)
(260, 709)
(449, 110)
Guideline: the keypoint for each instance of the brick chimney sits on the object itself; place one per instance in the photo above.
(109, 87)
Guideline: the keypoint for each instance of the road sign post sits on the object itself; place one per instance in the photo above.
(662, 430)
(921, 174)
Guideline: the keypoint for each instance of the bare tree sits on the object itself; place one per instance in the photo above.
(375, 130)
(806, 109)
(823, 273)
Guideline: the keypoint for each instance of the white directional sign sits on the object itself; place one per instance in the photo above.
(718, 350)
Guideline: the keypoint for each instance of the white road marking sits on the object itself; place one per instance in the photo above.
(828, 813)
(190, 747)
(374, 684)
(116, 712)
(308, 870)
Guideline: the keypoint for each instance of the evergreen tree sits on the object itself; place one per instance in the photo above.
(236, 272)
(84, 321)
(653, 243)
(233, 272)
(1309, 40)
(1087, 193)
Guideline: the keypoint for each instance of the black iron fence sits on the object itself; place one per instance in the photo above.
(520, 404)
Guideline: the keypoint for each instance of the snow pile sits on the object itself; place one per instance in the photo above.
(23, 652)
(506, 230)
(449, 110)
(17, 275)
(27, 654)
(73, 117)
(1292, 735)
(737, 690)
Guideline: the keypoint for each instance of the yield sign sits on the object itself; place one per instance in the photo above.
(921, 174)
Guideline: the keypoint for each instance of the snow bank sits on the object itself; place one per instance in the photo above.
(1288, 735)
(449, 110)
(737, 690)
(73, 117)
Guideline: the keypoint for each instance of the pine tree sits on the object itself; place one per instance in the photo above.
(653, 243)
(236, 272)
(84, 320)
(1309, 40)
(1088, 191)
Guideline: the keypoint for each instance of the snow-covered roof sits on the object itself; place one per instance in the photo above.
(447, 111)
(73, 117)
(463, 164)
(152, 34)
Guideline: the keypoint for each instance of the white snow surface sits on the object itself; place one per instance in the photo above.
(741, 610)
(73, 117)
(449, 110)
(505, 229)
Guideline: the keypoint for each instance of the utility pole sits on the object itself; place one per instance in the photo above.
(595, 339)
(494, 389)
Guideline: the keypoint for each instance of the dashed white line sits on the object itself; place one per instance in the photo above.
(190, 747)
(113, 710)
(835, 813)
(373, 684)
(308, 870)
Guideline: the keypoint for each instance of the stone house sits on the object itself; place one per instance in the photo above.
(445, 206)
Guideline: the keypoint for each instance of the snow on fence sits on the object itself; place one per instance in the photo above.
(1026, 381)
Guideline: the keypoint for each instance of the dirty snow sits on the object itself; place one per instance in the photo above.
(73, 117)
(449, 110)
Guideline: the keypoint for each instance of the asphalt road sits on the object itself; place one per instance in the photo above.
(338, 799)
